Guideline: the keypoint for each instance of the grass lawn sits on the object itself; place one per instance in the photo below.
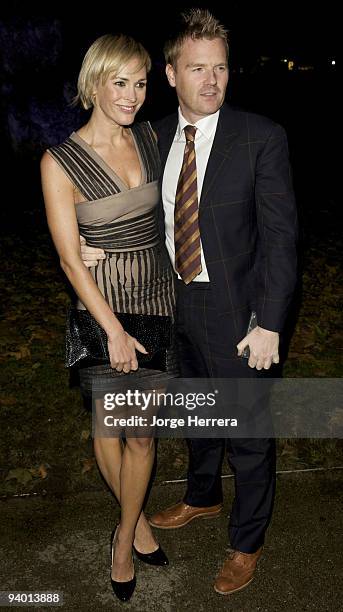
(46, 440)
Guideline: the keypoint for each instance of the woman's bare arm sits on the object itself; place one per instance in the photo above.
(62, 222)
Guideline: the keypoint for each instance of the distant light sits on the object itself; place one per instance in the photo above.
(285, 61)
(333, 62)
(290, 65)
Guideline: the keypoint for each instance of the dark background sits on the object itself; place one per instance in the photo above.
(42, 46)
(46, 442)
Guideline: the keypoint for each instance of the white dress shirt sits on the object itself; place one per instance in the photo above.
(206, 129)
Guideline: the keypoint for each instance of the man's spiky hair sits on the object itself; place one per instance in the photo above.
(195, 24)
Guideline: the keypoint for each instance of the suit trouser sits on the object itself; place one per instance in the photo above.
(206, 350)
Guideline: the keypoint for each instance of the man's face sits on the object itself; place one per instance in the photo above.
(200, 77)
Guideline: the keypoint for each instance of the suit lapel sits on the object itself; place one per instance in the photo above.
(225, 137)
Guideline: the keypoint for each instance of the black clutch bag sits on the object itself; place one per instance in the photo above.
(86, 340)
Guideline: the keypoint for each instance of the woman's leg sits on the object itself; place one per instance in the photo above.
(127, 470)
(108, 453)
(137, 462)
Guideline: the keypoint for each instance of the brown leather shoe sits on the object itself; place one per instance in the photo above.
(237, 572)
(181, 514)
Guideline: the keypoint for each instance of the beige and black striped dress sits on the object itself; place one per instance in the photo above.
(136, 276)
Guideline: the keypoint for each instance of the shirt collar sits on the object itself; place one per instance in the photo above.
(205, 126)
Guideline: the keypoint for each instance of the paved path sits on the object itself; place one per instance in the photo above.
(63, 543)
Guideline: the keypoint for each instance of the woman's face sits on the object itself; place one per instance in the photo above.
(123, 93)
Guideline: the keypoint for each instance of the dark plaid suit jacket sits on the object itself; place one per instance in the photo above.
(247, 218)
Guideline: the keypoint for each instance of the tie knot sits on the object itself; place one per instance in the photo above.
(190, 133)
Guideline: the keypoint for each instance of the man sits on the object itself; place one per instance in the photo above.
(230, 226)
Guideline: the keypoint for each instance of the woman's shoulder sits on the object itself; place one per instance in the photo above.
(60, 146)
(54, 161)
(50, 165)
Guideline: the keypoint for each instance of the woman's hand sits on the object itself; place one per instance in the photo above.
(122, 349)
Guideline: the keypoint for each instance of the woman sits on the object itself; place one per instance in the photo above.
(102, 182)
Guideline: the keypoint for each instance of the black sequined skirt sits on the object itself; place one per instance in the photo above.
(94, 378)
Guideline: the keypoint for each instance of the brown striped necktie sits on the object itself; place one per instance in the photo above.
(186, 214)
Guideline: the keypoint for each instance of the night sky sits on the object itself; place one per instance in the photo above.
(42, 46)
(289, 27)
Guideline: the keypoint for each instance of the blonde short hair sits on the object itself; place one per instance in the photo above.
(195, 24)
(107, 54)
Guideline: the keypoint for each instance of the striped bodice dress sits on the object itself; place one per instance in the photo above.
(135, 276)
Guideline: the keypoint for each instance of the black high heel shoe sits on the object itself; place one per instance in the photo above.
(122, 590)
(157, 557)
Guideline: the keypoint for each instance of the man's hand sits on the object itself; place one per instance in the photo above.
(264, 348)
(90, 255)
